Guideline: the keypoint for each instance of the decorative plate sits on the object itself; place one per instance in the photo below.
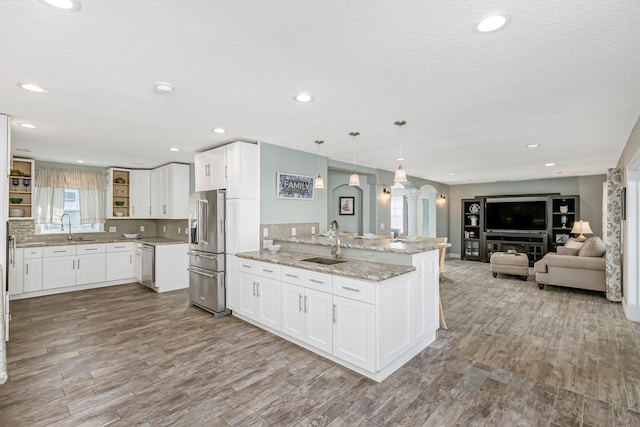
(474, 208)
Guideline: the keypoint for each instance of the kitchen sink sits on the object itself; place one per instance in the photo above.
(324, 261)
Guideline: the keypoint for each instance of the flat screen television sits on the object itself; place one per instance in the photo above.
(525, 215)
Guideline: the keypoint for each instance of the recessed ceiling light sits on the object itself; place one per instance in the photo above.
(174, 149)
(63, 5)
(491, 22)
(400, 159)
(451, 174)
(218, 130)
(559, 173)
(304, 97)
(29, 125)
(533, 145)
(32, 87)
(164, 87)
(549, 164)
(79, 161)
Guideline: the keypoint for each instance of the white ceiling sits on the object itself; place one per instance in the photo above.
(562, 74)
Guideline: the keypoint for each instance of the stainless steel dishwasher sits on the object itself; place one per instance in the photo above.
(149, 266)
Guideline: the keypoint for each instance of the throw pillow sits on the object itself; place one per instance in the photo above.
(567, 251)
(572, 243)
(593, 247)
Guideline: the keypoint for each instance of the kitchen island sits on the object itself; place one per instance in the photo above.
(372, 312)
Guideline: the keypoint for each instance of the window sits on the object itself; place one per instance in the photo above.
(397, 214)
(72, 208)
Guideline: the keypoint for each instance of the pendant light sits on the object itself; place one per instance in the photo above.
(354, 178)
(401, 174)
(319, 182)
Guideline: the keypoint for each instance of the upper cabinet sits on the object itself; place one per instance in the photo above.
(234, 167)
(140, 193)
(21, 189)
(170, 191)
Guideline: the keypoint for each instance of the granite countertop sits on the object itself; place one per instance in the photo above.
(381, 245)
(147, 240)
(364, 270)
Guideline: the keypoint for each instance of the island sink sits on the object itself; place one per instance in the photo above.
(324, 261)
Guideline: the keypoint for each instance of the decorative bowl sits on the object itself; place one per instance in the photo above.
(411, 238)
(119, 203)
(273, 248)
(15, 200)
(118, 213)
(131, 235)
(120, 180)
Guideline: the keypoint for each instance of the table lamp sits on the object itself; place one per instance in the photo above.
(581, 228)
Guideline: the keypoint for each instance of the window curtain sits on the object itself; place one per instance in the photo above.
(50, 184)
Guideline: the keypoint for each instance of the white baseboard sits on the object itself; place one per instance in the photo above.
(457, 256)
(632, 311)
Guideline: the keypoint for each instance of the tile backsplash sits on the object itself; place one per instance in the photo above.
(302, 229)
(24, 230)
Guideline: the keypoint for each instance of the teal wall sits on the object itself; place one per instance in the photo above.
(589, 188)
(274, 159)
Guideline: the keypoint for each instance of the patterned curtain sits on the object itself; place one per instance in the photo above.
(613, 235)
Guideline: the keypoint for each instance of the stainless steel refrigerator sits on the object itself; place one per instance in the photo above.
(206, 251)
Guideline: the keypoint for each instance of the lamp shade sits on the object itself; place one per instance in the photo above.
(401, 175)
(354, 180)
(319, 182)
(581, 228)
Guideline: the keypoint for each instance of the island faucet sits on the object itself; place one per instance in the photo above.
(335, 250)
(69, 237)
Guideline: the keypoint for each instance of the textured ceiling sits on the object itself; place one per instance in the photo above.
(562, 74)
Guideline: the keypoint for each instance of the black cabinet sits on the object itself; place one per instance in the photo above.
(472, 229)
(562, 212)
(532, 244)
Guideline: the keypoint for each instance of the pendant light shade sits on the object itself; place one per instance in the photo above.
(354, 178)
(319, 181)
(401, 174)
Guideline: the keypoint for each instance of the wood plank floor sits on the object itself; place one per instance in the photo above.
(513, 355)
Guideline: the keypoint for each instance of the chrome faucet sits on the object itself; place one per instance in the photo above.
(335, 250)
(70, 237)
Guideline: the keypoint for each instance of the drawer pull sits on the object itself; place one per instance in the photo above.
(291, 275)
(91, 249)
(351, 289)
(119, 247)
(246, 266)
(267, 271)
(60, 252)
(317, 281)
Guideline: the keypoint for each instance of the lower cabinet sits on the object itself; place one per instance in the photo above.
(120, 261)
(307, 316)
(32, 279)
(60, 272)
(260, 299)
(354, 338)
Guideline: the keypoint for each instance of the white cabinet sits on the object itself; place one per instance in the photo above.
(260, 295)
(306, 315)
(16, 268)
(234, 167)
(120, 261)
(138, 262)
(269, 302)
(32, 270)
(232, 289)
(354, 332)
(90, 266)
(140, 197)
(247, 291)
(170, 191)
(242, 225)
(59, 266)
(172, 263)
(210, 170)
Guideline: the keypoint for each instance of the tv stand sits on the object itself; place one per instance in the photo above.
(534, 244)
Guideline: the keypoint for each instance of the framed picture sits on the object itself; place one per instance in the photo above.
(292, 186)
(562, 238)
(347, 206)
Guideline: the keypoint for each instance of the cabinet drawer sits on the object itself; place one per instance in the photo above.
(33, 252)
(119, 247)
(52, 251)
(90, 249)
(354, 289)
(293, 275)
(247, 266)
(262, 269)
(319, 281)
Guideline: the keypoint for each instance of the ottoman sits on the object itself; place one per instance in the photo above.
(513, 264)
